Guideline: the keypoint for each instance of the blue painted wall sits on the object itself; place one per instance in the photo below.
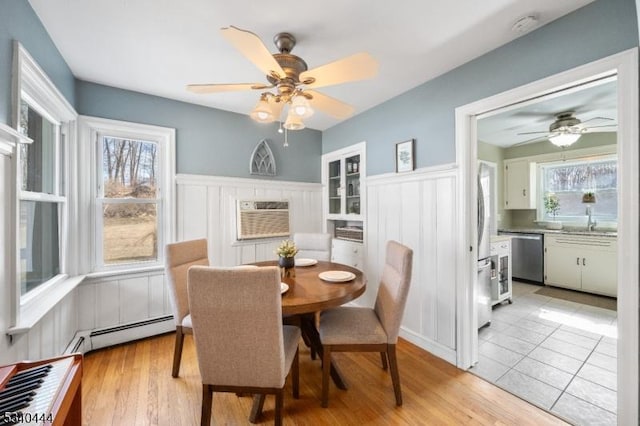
(427, 113)
(208, 141)
(19, 22)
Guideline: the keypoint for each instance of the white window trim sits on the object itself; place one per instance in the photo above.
(89, 129)
(31, 83)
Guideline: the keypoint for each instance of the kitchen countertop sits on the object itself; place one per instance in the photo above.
(568, 231)
(499, 238)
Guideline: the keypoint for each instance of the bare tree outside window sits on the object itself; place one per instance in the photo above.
(130, 201)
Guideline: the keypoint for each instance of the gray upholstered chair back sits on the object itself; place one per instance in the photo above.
(179, 257)
(313, 246)
(393, 289)
(237, 325)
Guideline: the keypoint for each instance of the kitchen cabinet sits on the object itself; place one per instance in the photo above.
(584, 263)
(348, 253)
(343, 175)
(519, 184)
(501, 279)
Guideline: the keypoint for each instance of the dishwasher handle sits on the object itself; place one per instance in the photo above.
(524, 237)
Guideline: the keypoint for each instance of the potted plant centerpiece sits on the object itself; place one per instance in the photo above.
(286, 252)
(551, 206)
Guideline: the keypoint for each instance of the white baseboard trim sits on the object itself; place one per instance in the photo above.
(88, 340)
(429, 345)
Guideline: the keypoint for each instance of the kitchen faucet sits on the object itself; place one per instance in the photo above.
(591, 223)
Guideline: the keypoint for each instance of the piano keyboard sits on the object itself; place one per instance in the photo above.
(27, 397)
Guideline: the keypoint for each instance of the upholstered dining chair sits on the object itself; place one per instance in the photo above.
(179, 257)
(353, 329)
(313, 246)
(240, 341)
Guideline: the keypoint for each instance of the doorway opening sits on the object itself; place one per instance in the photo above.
(624, 67)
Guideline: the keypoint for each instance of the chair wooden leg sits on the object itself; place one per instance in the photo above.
(279, 403)
(383, 358)
(326, 368)
(207, 403)
(295, 376)
(177, 352)
(395, 375)
(256, 409)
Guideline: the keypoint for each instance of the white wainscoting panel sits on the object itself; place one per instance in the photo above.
(207, 208)
(122, 299)
(420, 211)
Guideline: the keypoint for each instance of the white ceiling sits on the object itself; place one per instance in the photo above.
(159, 46)
(590, 103)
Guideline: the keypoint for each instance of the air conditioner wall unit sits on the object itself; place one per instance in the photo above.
(262, 219)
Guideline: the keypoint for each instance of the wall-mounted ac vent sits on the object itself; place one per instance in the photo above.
(262, 219)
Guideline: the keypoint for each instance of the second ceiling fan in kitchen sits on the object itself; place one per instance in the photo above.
(567, 129)
(290, 83)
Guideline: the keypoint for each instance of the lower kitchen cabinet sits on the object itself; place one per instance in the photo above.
(501, 281)
(348, 253)
(585, 263)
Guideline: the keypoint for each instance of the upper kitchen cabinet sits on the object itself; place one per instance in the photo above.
(519, 185)
(343, 174)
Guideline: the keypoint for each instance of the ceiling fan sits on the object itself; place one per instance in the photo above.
(566, 129)
(291, 81)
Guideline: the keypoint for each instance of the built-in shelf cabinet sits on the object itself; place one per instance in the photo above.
(343, 180)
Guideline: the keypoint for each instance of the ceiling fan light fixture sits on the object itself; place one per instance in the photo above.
(293, 122)
(300, 106)
(263, 113)
(564, 139)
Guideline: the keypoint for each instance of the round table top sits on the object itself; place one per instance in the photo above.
(308, 293)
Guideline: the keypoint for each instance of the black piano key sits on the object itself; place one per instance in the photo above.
(16, 398)
(8, 393)
(22, 384)
(27, 374)
(17, 404)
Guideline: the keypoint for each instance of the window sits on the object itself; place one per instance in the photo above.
(128, 201)
(571, 180)
(133, 174)
(45, 117)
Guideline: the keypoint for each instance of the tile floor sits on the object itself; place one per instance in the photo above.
(556, 354)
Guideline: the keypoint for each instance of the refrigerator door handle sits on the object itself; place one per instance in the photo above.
(483, 267)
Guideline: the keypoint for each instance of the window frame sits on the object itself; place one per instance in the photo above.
(31, 84)
(91, 129)
(541, 215)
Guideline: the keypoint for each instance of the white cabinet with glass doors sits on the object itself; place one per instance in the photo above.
(343, 175)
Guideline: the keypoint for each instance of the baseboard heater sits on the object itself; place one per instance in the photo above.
(132, 331)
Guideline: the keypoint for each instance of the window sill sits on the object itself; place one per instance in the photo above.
(36, 308)
(127, 271)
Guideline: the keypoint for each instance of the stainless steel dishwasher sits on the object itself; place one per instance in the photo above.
(527, 256)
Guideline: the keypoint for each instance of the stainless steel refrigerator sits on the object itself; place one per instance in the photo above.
(483, 289)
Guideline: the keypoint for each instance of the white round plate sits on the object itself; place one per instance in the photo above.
(336, 276)
(306, 262)
(283, 288)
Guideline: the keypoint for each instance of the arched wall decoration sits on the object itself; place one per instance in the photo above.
(262, 160)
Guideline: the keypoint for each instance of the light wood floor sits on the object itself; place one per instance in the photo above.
(132, 385)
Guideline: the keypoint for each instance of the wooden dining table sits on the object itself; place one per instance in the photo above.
(308, 294)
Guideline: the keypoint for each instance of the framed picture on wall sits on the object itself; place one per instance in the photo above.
(404, 156)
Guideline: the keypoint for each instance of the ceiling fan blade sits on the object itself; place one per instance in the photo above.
(599, 127)
(532, 133)
(539, 138)
(254, 49)
(597, 118)
(329, 105)
(360, 66)
(215, 88)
